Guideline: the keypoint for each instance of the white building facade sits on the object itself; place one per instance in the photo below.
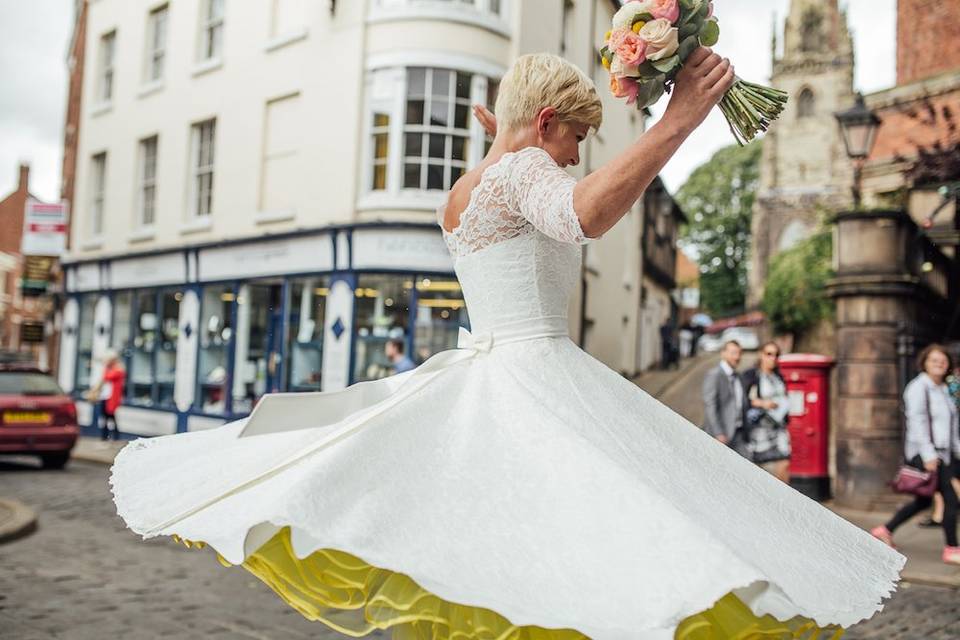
(256, 187)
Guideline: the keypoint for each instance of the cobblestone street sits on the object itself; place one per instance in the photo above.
(83, 576)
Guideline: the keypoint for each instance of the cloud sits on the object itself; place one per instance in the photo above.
(33, 44)
(746, 34)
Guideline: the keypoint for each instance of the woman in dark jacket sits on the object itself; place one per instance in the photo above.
(767, 417)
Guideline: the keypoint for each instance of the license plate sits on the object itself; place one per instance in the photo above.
(26, 417)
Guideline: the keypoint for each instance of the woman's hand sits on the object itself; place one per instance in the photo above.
(932, 465)
(486, 119)
(700, 85)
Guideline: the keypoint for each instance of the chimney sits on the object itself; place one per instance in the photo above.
(24, 177)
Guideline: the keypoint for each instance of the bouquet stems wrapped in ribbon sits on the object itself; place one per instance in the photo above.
(647, 46)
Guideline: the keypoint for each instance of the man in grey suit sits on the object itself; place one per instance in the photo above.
(724, 400)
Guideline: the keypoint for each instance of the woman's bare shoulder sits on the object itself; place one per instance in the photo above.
(459, 197)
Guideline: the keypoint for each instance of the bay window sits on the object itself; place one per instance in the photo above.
(421, 136)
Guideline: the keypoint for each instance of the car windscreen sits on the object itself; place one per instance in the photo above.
(27, 383)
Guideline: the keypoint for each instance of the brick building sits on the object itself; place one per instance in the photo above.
(25, 325)
(920, 116)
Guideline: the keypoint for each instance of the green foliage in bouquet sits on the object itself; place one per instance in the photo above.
(794, 296)
(749, 108)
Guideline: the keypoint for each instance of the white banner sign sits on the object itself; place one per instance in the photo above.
(44, 229)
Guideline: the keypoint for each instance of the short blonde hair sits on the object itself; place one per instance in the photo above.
(540, 80)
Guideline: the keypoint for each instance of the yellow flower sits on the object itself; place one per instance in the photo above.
(638, 26)
(606, 63)
(606, 36)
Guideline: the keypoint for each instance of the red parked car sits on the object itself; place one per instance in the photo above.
(36, 416)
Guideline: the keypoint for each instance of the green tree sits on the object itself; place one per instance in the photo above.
(794, 297)
(718, 199)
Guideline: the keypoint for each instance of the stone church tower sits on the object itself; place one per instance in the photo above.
(804, 170)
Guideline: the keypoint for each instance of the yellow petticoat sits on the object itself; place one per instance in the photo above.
(352, 597)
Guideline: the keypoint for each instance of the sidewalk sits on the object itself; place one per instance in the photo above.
(96, 450)
(657, 381)
(921, 546)
(16, 520)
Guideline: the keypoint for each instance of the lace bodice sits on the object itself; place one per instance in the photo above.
(517, 247)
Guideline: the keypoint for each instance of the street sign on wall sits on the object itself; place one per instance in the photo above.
(44, 229)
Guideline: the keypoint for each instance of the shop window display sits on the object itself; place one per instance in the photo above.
(382, 313)
(305, 339)
(216, 331)
(440, 314)
(258, 344)
(85, 341)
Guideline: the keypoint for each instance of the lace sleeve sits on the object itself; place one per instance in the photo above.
(543, 195)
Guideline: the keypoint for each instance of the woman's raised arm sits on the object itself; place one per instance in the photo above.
(605, 196)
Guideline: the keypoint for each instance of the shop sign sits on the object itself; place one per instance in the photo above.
(44, 229)
(31, 333)
(36, 275)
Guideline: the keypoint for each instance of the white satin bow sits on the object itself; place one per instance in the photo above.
(481, 342)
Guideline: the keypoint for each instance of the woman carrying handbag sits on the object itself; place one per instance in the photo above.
(932, 444)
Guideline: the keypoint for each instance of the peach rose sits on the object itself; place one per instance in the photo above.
(662, 39)
(666, 9)
(624, 88)
(629, 47)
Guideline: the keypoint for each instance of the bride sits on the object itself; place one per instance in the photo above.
(515, 488)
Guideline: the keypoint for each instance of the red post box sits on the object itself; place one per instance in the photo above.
(808, 388)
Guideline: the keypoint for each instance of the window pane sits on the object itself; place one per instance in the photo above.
(438, 144)
(258, 344)
(439, 113)
(414, 112)
(455, 173)
(435, 177)
(462, 117)
(380, 146)
(383, 311)
(144, 342)
(85, 341)
(167, 351)
(416, 82)
(440, 314)
(379, 177)
(215, 331)
(411, 176)
(463, 85)
(441, 84)
(120, 339)
(305, 343)
(413, 145)
(459, 148)
(381, 120)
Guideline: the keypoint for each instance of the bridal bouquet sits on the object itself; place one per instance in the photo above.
(647, 46)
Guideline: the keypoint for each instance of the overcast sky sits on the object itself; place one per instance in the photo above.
(34, 37)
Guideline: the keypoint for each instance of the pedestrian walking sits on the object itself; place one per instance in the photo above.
(932, 444)
(724, 400)
(768, 438)
(109, 394)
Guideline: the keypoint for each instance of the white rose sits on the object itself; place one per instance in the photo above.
(662, 39)
(617, 68)
(624, 18)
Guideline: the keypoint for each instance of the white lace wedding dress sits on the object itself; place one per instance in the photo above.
(512, 488)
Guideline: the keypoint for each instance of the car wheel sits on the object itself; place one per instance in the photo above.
(55, 460)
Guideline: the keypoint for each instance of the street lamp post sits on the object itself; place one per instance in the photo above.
(858, 125)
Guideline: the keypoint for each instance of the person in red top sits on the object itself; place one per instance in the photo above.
(109, 393)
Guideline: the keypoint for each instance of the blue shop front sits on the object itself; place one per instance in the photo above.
(205, 331)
